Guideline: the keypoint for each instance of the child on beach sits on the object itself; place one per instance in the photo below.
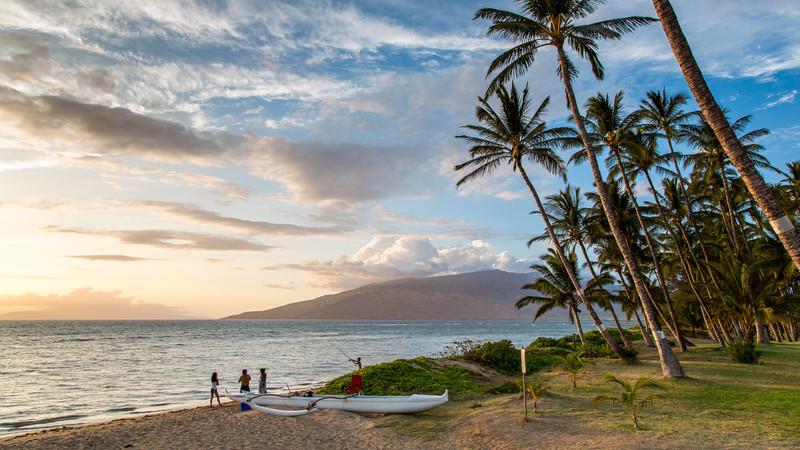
(244, 380)
(214, 389)
(262, 382)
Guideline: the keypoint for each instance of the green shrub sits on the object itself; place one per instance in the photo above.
(407, 376)
(744, 351)
(544, 342)
(501, 356)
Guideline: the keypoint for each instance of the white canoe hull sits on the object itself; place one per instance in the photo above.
(394, 404)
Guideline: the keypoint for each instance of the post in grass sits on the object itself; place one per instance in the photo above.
(524, 391)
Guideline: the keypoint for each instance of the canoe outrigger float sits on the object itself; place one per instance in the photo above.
(301, 405)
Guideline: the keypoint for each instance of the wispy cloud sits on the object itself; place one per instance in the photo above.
(172, 240)
(782, 98)
(201, 215)
(114, 258)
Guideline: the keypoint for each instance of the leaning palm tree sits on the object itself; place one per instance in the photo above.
(612, 128)
(630, 397)
(554, 23)
(510, 136)
(759, 189)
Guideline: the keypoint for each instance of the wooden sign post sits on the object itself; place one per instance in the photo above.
(524, 391)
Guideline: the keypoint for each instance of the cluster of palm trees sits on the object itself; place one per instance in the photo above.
(714, 249)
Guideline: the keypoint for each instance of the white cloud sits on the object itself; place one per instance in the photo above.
(783, 98)
(388, 257)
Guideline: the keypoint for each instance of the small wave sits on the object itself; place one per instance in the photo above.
(122, 409)
(28, 423)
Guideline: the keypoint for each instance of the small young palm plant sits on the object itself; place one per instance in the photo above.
(536, 391)
(572, 364)
(630, 396)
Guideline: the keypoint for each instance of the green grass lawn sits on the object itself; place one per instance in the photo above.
(721, 404)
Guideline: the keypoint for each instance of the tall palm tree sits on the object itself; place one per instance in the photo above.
(554, 23)
(759, 189)
(556, 289)
(510, 136)
(608, 124)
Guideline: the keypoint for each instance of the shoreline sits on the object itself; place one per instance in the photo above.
(106, 420)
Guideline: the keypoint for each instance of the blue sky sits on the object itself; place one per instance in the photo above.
(209, 157)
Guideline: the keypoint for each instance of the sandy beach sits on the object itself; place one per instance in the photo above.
(217, 427)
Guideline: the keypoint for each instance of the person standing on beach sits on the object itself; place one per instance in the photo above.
(244, 380)
(262, 382)
(214, 389)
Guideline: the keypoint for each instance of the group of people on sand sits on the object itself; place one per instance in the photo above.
(244, 384)
(244, 381)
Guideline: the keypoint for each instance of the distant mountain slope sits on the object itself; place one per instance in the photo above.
(477, 295)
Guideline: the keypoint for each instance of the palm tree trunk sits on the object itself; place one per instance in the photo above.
(684, 260)
(758, 188)
(760, 335)
(643, 327)
(673, 324)
(612, 343)
(729, 215)
(670, 366)
(577, 318)
(620, 328)
(594, 277)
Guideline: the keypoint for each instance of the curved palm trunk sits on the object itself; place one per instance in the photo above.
(672, 325)
(560, 251)
(670, 366)
(759, 189)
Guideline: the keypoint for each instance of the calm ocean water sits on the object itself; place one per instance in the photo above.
(64, 373)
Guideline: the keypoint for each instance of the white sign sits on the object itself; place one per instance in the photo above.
(522, 351)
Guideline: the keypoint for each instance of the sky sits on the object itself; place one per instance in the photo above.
(172, 159)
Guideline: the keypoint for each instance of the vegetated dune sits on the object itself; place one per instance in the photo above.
(470, 296)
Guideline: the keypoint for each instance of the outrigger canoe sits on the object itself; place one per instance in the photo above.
(297, 405)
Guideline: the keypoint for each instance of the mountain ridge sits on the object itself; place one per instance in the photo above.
(483, 295)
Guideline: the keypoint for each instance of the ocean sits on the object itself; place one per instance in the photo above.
(57, 373)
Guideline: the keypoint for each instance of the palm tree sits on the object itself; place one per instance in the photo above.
(572, 364)
(554, 23)
(711, 161)
(556, 288)
(661, 114)
(514, 134)
(612, 128)
(537, 390)
(630, 396)
(714, 115)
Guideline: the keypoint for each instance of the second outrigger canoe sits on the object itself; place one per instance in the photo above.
(378, 404)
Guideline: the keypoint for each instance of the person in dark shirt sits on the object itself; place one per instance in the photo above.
(244, 380)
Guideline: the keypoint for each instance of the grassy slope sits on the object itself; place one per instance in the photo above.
(721, 405)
